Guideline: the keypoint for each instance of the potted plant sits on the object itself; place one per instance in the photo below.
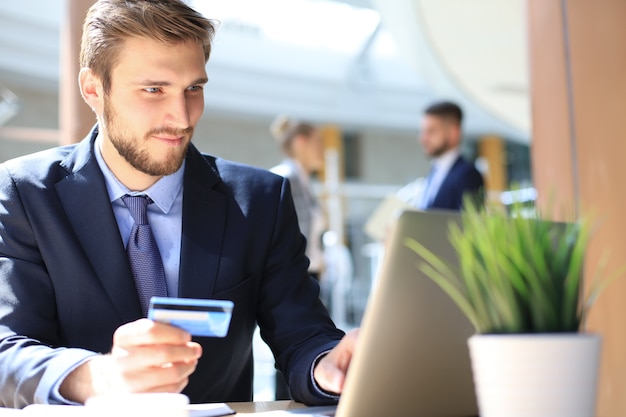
(519, 281)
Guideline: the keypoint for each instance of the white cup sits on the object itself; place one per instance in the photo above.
(148, 404)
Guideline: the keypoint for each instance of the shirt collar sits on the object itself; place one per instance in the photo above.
(445, 161)
(302, 175)
(290, 166)
(163, 192)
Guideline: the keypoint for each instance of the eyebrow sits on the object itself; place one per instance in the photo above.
(155, 83)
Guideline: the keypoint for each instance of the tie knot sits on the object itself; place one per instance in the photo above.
(137, 205)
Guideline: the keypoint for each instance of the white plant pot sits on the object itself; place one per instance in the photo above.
(536, 375)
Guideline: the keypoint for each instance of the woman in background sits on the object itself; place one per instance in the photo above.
(302, 144)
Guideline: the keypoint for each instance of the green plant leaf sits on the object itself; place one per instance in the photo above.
(516, 274)
(444, 276)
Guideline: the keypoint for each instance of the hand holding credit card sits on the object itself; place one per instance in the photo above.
(209, 318)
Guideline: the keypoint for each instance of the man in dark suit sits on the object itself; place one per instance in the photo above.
(451, 177)
(72, 324)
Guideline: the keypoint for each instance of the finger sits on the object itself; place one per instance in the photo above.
(173, 388)
(345, 350)
(342, 354)
(135, 358)
(328, 376)
(170, 378)
(148, 332)
(330, 373)
(175, 376)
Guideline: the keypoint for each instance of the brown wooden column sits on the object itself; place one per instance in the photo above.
(333, 176)
(492, 149)
(578, 85)
(75, 117)
(332, 138)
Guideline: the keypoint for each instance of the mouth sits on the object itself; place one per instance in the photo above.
(170, 140)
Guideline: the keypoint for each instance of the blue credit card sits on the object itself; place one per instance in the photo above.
(209, 318)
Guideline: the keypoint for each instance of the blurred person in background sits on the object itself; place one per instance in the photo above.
(451, 176)
(304, 150)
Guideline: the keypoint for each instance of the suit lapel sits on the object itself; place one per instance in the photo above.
(204, 222)
(445, 184)
(84, 197)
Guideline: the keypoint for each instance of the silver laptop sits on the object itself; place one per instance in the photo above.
(412, 357)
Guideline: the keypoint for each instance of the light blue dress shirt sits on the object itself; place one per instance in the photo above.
(440, 167)
(165, 215)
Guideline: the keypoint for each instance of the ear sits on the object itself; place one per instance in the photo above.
(90, 88)
(455, 133)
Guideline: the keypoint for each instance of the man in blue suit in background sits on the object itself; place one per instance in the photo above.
(451, 177)
(72, 312)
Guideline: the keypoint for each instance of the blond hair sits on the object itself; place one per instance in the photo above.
(285, 130)
(109, 22)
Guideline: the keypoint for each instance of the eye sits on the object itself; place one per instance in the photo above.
(152, 90)
(195, 88)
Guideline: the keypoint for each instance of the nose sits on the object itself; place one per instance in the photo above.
(178, 112)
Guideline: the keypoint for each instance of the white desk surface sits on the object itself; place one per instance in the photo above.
(242, 409)
(263, 406)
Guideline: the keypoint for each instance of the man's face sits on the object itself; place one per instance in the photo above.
(156, 99)
(437, 135)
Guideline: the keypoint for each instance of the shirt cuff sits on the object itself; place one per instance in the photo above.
(316, 387)
(55, 393)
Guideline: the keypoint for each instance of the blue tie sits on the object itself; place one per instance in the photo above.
(143, 253)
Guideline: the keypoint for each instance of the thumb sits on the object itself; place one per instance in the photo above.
(330, 373)
(328, 376)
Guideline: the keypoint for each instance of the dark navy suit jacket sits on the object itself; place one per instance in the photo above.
(66, 283)
(462, 179)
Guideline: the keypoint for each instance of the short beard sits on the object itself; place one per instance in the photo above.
(440, 150)
(127, 146)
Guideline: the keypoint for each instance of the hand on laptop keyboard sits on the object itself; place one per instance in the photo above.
(330, 372)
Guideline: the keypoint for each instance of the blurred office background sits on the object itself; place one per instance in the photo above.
(362, 70)
(343, 65)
